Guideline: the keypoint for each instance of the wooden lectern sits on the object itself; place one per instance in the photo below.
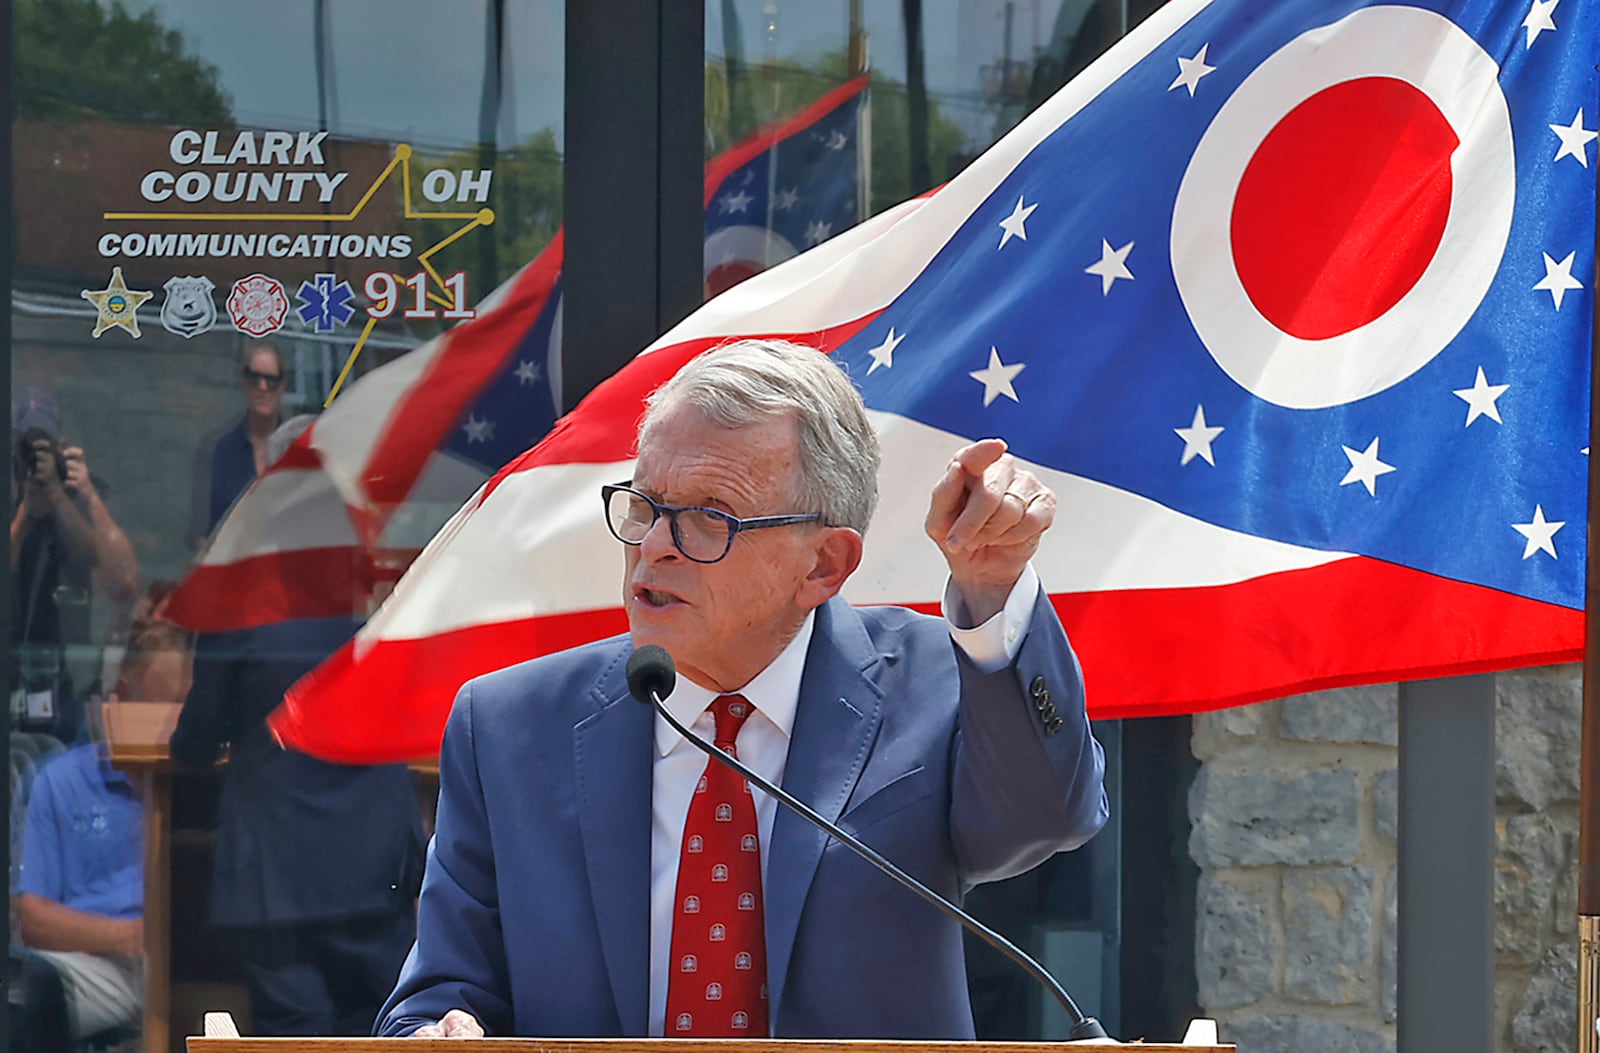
(222, 1037)
(137, 734)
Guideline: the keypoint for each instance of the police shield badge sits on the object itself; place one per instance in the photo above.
(188, 309)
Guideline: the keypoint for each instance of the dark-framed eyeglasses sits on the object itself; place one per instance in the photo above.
(703, 535)
(254, 378)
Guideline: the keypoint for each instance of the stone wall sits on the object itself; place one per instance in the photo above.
(1294, 817)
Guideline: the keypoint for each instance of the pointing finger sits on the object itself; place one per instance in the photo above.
(986, 495)
(951, 494)
(978, 456)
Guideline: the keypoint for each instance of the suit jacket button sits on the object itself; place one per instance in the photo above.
(1049, 715)
(1053, 727)
(1041, 700)
(1038, 687)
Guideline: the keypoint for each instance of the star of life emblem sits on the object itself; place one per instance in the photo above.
(325, 303)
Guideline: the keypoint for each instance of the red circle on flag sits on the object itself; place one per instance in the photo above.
(736, 253)
(1317, 281)
(1342, 206)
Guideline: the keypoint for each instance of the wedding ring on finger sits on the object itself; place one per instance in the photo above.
(1026, 502)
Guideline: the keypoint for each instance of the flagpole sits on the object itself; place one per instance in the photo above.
(859, 62)
(1589, 785)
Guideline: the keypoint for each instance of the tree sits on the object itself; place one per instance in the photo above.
(76, 59)
(526, 195)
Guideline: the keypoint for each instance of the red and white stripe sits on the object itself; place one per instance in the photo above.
(1168, 614)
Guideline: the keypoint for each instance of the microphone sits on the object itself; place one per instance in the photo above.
(651, 678)
(652, 675)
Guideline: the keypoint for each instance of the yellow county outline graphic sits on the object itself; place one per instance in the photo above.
(118, 305)
(483, 217)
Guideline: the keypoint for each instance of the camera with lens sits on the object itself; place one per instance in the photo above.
(27, 457)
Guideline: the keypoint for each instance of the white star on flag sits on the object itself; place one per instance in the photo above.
(478, 430)
(1558, 278)
(1480, 399)
(818, 232)
(735, 202)
(883, 354)
(1013, 224)
(1190, 70)
(1113, 264)
(996, 378)
(527, 372)
(1574, 138)
(1541, 533)
(1198, 437)
(1539, 19)
(837, 140)
(787, 199)
(1365, 467)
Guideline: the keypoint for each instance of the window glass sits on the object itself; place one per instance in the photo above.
(948, 77)
(794, 156)
(225, 213)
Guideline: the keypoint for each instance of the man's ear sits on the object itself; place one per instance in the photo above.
(838, 554)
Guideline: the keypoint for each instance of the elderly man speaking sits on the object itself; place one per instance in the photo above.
(592, 875)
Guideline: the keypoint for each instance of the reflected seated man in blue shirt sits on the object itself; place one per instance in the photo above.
(81, 901)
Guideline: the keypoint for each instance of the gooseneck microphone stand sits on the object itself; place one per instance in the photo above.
(651, 678)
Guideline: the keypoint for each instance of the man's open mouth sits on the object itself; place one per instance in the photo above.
(655, 597)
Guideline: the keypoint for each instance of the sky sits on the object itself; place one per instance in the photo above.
(403, 69)
(413, 69)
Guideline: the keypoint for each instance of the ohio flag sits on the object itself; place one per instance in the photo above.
(1291, 304)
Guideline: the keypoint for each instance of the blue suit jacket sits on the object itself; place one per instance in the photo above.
(535, 905)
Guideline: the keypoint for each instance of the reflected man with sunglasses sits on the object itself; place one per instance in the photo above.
(554, 900)
(240, 454)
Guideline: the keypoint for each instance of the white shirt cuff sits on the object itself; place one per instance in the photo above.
(993, 645)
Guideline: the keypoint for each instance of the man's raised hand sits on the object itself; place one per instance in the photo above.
(987, 516)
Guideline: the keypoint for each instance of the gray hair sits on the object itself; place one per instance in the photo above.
(751, 381)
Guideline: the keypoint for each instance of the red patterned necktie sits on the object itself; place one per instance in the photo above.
(717, 987)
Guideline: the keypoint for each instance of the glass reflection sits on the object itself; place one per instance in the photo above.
(220, 209)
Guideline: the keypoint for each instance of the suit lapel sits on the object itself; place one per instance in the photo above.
(835, 724)
(612, 761)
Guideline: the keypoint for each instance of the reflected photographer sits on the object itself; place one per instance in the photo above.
(63, 540)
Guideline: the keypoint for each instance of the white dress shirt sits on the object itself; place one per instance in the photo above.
(763, 744)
